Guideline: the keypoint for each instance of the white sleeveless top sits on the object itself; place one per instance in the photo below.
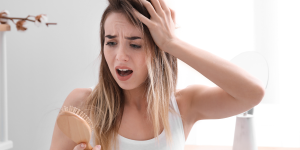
(178, 137)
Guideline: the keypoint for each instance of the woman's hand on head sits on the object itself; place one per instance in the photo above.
(162, 22)
(79, 147)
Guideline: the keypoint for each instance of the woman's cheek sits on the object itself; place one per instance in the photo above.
(109, 62)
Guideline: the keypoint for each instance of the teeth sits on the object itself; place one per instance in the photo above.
(123, 69)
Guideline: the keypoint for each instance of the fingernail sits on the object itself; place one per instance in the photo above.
(98, 146)
(82, 145)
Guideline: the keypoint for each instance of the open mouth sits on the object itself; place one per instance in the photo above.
(124, 72)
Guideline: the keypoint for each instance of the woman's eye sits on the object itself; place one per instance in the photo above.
(109, 43)
(135, 46)
(132, 45)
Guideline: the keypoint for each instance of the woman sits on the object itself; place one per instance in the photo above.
(136, 98)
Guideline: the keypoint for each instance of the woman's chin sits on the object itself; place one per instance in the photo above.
(126, 87)
(129, 86)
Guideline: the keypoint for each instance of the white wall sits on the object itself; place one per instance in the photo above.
(228, 28)
(45, 64)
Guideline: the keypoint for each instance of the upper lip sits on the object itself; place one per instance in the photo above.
(122, 67)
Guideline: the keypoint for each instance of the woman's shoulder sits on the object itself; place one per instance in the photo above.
(181, 97)
(77, 96)
(83, 92)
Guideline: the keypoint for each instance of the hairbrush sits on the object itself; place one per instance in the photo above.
(75, 124)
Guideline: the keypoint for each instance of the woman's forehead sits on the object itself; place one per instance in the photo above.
(117, 24)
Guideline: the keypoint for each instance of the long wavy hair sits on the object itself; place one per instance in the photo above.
(105, 105)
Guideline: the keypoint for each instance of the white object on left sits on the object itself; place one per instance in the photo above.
(5, 144)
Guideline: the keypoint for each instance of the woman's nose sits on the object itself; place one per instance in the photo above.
(121, 54)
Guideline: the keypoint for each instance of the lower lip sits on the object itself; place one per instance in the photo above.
(123, 78)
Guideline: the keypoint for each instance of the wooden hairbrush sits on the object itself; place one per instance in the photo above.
(75, 124)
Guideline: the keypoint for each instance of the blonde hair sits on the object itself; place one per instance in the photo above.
(105, 105)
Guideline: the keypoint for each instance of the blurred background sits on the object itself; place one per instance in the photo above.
(45, 64)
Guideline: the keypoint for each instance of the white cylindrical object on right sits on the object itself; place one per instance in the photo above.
(244, 136)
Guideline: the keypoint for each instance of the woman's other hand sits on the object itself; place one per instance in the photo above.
(162, 22)
(82, 146)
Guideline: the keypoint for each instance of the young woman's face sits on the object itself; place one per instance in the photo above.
(121, 51)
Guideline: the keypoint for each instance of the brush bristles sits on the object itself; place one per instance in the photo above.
(79, 113)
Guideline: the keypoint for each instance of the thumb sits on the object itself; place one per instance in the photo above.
(173, 18)
(173, 15)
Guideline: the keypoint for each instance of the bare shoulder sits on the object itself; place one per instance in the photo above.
(183, 98)
(77, 97)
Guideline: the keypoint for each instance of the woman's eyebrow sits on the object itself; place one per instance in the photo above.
(129, 38)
